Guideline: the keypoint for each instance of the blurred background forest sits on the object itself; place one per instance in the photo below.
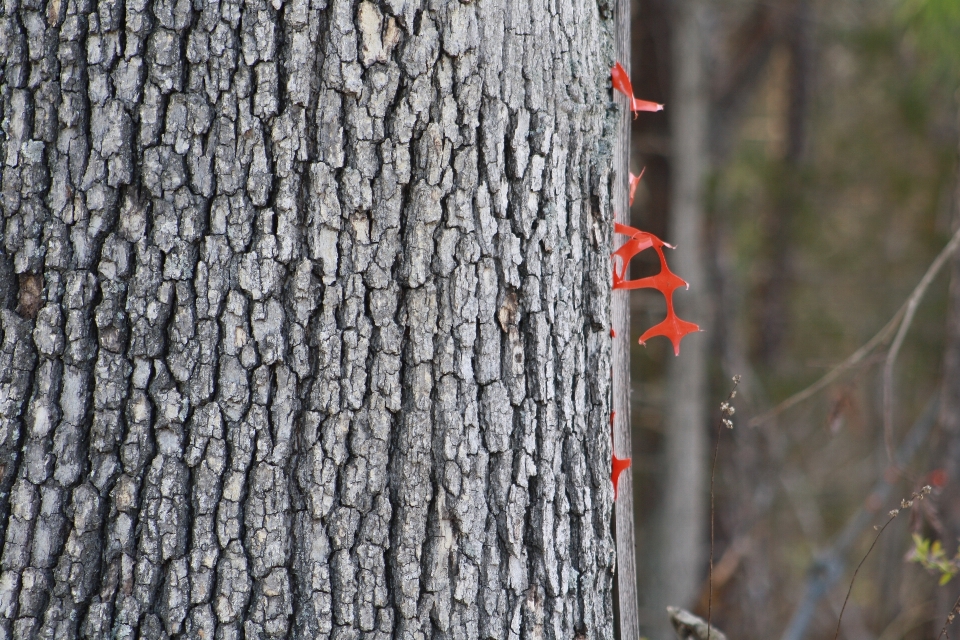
(827, 184)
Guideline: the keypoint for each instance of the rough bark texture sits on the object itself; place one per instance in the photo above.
(305, 325)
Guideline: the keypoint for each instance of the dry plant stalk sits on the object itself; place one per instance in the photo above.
(904, 504)
(726, 410)
(950, 616)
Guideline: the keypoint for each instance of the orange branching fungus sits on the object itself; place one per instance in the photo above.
(621, 82)
(666, 282)
(634, 181)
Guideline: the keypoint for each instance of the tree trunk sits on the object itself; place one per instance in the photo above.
(788, 191)
(620, 424)
(948, 446)
(681, 526)
(305, 326)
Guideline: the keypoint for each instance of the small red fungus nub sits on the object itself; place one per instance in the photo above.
(634, 181)
(619, 464)
(621, 83)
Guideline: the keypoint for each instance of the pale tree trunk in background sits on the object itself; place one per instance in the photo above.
(681, 529)
(788, 193)
(306, 319)
(949, 444)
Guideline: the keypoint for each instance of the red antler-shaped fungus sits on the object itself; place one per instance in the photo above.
(666, 282)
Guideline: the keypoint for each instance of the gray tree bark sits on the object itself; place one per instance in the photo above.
(305, 319)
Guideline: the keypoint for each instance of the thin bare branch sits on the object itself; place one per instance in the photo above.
(902, 319)
(911, 309)
(859, 355)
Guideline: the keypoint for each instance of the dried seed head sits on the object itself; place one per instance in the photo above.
(731, 411)
(894, 513)
(728, 424)
(906, 504)
(927, 489)
(733, 394)
(736, 379)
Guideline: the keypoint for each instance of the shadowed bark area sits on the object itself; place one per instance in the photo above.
(305, 326)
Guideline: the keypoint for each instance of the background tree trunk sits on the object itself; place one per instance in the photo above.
(789, 190)
(680, 528)
(948, 443)
(305, 326)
